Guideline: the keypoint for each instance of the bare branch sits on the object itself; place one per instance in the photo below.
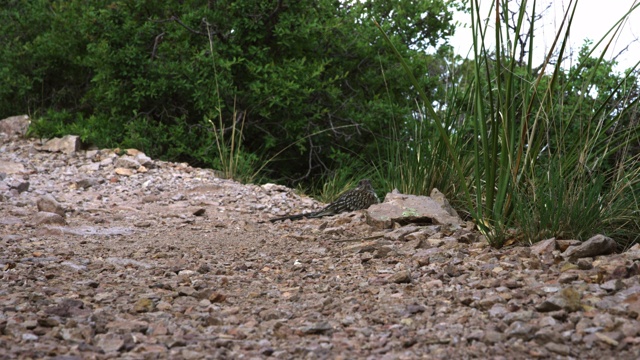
(276, 11)
(155, 45)
(176, 19)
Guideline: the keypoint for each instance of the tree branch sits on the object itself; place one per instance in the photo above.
(155, 45)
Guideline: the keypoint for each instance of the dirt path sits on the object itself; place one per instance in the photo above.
(170, 262)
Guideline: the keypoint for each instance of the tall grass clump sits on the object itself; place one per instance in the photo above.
(554, 150)
(232, 161)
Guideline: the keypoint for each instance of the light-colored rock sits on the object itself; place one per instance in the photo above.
(132, 152)
(15, 125)
(67, 144)
(144, 160)
(109, 342)
(123, 171)
(90, 168)
(9, 167)
(275, 188)
(400, 208)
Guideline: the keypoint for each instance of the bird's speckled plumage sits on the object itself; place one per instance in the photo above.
(358, 198)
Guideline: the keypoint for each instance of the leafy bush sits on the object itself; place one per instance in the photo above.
(144, 74)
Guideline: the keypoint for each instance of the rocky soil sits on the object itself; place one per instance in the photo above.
(106, 255)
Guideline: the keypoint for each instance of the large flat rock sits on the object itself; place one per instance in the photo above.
(405, 209)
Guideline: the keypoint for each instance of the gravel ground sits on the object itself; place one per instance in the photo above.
(120, 256)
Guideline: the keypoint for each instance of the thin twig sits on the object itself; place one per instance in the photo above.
(155, 45)
(176, 19)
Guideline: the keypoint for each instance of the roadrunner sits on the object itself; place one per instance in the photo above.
(358, 198)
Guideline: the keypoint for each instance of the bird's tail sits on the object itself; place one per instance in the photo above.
(293, 217)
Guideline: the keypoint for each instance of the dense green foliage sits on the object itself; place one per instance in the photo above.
(150, 74)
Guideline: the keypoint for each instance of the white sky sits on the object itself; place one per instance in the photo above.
(592, 20)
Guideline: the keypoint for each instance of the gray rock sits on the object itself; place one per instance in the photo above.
(106, 162)
(89, 168)
(597, 245)
(92, 154)
(48, 203)
(145, 161)
(127, 162)
(127, 262)
(68, 144)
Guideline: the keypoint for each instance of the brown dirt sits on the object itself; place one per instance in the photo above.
(135, 274)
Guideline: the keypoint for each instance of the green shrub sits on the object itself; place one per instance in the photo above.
(144, 74)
